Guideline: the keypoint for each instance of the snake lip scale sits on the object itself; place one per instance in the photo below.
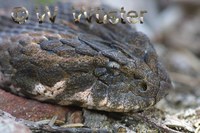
(103, 67)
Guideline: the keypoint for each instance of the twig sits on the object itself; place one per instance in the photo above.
(35, 126)
(161, 127)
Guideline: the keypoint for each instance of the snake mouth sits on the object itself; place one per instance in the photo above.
(164, 89)
(127, 102)
(118, 98)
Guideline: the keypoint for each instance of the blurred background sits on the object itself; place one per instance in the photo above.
(173, 26)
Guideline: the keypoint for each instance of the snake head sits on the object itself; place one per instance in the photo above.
(105, 67)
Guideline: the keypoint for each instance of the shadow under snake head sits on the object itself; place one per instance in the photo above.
(105, 67)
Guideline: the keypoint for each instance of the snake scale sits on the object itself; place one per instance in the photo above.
(105, 67)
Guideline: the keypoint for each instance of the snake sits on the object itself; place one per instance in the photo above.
(108, 67)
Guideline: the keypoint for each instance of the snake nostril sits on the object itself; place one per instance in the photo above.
(143, 86)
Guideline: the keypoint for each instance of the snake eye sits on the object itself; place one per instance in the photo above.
(113, 64)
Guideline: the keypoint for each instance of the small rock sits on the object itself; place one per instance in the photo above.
(10, 126)
(32, 110)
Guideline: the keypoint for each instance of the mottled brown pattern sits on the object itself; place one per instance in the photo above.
(105, 67)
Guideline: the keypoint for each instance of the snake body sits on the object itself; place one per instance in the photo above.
(104, 67)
